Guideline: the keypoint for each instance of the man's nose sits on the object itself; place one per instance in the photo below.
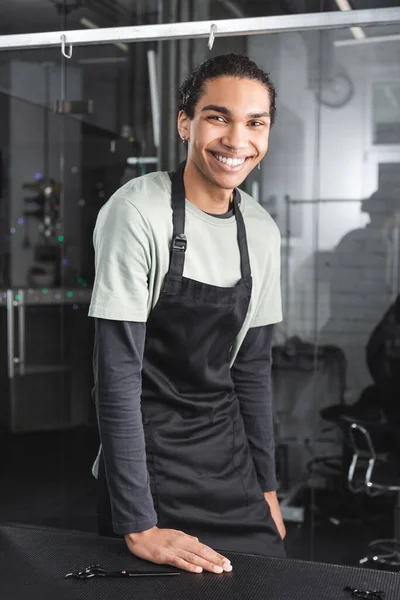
(236, 139)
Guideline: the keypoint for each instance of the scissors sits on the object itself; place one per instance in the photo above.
(98, 571)
(365, 594)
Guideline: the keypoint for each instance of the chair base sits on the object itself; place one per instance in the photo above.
(384, 552)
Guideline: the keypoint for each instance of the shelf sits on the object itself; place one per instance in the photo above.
(47, 296)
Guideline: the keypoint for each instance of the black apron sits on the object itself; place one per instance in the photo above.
(203, 479)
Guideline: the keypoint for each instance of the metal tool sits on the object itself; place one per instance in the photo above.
(98, 571)
(365, 594)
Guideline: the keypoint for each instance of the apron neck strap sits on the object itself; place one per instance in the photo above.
(179, 242)
(241, 237)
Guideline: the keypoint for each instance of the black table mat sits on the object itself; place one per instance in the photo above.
(33, 563)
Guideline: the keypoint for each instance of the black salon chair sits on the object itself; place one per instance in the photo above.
(375, 470)
(379, 403)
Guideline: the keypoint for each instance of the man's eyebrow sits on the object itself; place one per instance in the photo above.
(259, 115)
(226, 111)
(221, 109)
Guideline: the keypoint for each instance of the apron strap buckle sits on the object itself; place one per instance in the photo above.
(179, 243)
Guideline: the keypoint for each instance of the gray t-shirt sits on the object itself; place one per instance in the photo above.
(132, 239)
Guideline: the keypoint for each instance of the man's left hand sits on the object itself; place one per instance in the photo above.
(276, 514)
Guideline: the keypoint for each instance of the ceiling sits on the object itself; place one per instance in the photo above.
(25, 16)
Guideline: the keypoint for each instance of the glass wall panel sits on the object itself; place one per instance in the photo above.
(331, 179)
(46, 338)
(358, 252)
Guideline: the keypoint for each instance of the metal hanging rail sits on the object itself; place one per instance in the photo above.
(202, 29)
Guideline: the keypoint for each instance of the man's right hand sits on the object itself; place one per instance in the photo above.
(172, 547)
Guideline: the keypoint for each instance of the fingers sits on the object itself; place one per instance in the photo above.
(187, 553)
(209, 555)
(195, 559)
(181, 563)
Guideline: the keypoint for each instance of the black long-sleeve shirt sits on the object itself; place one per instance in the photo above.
(118, 355)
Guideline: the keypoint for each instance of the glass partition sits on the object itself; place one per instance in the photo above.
(331, 179)
(46, 338)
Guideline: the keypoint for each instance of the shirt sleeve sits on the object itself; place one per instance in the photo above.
(251, 374)
(117, 361)
(268, 308)
(122, 243)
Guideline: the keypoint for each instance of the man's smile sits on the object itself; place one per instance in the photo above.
(227, 162)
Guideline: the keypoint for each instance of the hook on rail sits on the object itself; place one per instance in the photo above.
(63, 52)
(211, 39)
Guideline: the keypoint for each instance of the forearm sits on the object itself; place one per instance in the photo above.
(251, 374)
(117, 369)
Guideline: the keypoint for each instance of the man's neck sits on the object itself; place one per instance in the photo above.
(203, 194)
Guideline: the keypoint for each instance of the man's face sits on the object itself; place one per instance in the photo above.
(228, 135)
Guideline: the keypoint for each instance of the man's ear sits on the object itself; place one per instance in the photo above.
(183, 124)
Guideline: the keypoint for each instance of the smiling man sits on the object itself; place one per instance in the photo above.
(185, 297)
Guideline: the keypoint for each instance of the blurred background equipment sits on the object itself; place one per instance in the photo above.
(44, 210)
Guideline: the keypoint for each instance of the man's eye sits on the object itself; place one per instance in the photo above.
(218, 118)
(256, 123)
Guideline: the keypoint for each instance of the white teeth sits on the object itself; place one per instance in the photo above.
(231, 162)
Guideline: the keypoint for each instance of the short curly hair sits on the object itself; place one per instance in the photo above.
(231, 65)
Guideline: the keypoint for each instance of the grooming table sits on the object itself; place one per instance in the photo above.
(33, 563)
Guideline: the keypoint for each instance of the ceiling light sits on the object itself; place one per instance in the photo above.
(357, 32)
(343, 4)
